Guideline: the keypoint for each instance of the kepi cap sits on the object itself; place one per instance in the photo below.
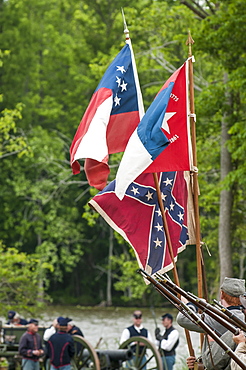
(234, 287)
(11, 314)
(33, 321)
(167, 315)
(62, 321)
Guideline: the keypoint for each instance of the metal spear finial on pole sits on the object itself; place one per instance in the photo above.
(189, 43)
(126, 31)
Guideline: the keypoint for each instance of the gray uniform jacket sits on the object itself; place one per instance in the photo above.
(187, 324)
(214, 357)
(219, 358)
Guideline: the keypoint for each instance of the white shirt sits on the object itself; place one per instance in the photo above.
(126, 334)
(167, 344)
(48, 332)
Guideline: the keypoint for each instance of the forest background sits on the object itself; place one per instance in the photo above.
(53, 55)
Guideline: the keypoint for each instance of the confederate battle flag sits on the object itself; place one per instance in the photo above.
(138, 217)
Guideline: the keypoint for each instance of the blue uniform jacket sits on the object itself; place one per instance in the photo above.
(60, 349)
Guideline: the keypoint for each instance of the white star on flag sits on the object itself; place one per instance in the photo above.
(181, 216)
(123, 86)
(171, 206)
(163, 196)
(157, 243)
(122, 69)
(135, 190)
(117, 100)
(168, 182)
(159, 227)
(165, 119)
(149, 195)
(118, 80)
(158, 212)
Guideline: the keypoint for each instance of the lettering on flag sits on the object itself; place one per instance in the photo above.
(178, 154)
(138, 217)
(161, 142)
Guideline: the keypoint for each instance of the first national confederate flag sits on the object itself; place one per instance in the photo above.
(138, 217)
(114, 112)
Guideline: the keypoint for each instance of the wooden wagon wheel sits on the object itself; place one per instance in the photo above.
(85, 356)
(146, 355)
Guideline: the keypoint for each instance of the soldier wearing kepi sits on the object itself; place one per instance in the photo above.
(212, 354)
(72, 329)
(30, 347)
(168, 341)
(60, 347)
(136, 329)
(15, 319)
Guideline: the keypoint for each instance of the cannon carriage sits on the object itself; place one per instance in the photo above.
(137, 353)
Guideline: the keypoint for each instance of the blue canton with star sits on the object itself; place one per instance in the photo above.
(119, 77)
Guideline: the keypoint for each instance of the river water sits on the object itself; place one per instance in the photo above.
(107, 323)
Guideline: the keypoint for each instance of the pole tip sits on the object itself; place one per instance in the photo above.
(126, 31)
(190, 40)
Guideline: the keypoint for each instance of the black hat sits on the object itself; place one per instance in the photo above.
(62, 321)
(33, 321)
(11, 314)
(167, 315)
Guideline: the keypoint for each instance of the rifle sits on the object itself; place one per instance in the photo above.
(212, 311)
(240, 323)
(182, 307)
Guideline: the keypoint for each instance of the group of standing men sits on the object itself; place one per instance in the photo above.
(166, 342)
(59, 344)
(233, 298)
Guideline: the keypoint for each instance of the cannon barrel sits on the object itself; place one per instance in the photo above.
(111, 359)
(117, 355)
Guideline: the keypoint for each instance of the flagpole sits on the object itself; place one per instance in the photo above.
(189, 42)
(170, 249)
(169, 243)
(199, 256)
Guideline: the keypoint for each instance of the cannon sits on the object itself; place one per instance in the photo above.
(137, 353)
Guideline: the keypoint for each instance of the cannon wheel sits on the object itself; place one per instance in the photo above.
(149, 358)
(87, 358)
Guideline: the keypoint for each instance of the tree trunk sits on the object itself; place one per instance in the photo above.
(41, 280)
(225, 252)
(109, 275)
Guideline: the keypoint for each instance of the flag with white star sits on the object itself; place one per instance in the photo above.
(114, 112)
(161, 142)
(138, 217)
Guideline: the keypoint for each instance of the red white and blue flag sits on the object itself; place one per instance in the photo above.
(138, 217)
(114, 112)
(161, 142)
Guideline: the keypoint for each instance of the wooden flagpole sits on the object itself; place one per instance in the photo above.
(170, 249)
(194, 171)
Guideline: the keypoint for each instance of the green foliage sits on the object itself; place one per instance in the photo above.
(19, 281)
(11, 142)
(54, 54)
